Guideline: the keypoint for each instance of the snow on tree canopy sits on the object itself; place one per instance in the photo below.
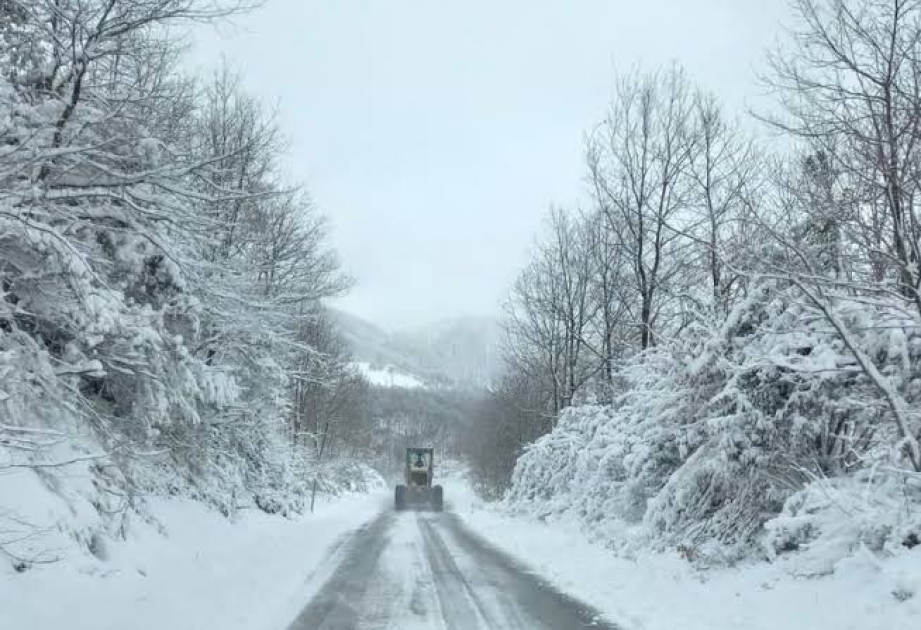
(710, 437)
(159, 285)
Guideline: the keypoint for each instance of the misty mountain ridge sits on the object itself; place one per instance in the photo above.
(458, 352)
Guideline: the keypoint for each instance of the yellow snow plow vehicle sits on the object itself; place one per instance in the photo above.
(418, 490)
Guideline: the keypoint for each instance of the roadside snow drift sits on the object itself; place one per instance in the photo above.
(190, 569)
(664, 591)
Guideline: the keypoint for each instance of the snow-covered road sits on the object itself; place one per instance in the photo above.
(426, 570)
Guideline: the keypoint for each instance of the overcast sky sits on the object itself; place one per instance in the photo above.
(436, 133)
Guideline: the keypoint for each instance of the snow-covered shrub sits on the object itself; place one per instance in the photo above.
(830, 519)
(345, 475)
(712, 434)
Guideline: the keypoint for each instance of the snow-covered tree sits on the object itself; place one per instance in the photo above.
(155, 270)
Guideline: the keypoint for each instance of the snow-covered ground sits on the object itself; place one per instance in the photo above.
(199, 572)
(665, 592)
(387, 376)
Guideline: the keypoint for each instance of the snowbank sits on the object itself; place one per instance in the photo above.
(79, 552)
(663, 591)
(189, 567)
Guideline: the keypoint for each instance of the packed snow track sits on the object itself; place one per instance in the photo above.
(424, 570)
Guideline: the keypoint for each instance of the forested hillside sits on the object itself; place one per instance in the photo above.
(463, 349)
(721, 353)
(459, 352)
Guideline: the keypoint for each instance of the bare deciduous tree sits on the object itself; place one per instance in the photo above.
(724, 169)
(639, 159)
(849, 87)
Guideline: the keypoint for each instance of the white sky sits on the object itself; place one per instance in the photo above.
(436, 133)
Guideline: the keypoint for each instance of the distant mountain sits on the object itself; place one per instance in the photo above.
(380, 357)
(464, 349)
(458, 352)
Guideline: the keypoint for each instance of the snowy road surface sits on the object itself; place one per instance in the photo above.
(423, 570)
